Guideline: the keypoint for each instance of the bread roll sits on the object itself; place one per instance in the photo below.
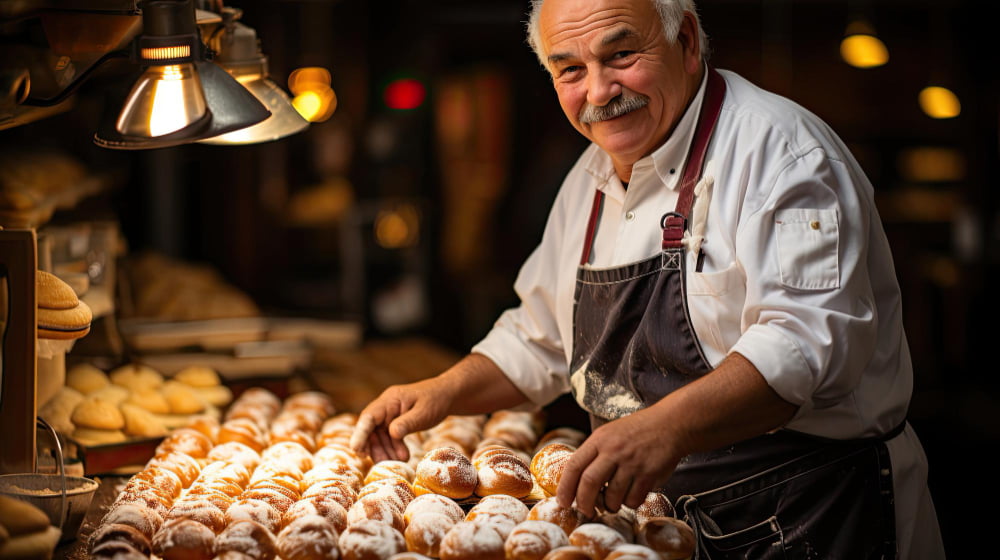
(64, 324)
(324, 506)
(568, 553)
(206, 424)
(291, 452)
(198, 376)
(445, 471)
(187, 441)
(433, 503)
(597, 539)
(91, 436)
(548, 464)
(249, 538)
(184, 539)
(140, 518)
(198, 509)
(311, 537)
(183, 465)
(533, 539)
(656, 504)
(245, 431)
(501, 471)
(96, 413)
(672, 538)
(259, 511)
(391, 469)
(377, 508)
(218, 396)
(20, 517)
(370, 540)
(633, 552)
(165, 481)
(469, 539)
(425, 532)
(86, 378)
(151, 400)
(182, 399)
(120, 532)
(140, 422)
(548, 509)
(136, 377)
(501, 505)
(114, 394)
(235, 452)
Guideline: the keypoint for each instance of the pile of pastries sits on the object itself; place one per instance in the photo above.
(278, 479)
(133, 400)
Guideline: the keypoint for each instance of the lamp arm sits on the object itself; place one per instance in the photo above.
(75, 84)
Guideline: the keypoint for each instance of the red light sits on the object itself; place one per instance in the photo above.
(405, 93)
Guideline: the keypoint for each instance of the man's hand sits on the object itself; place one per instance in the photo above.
(624, 459)
(399, 410)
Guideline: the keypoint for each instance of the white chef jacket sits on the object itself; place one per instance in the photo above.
(797, 277)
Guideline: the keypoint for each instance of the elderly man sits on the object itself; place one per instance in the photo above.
(715, 288)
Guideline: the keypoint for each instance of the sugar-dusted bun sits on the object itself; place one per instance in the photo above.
(184, 539)
(548, 509)
(206, 424)
(501, 471)
(198, 376)
(468, 540)
(568, 553)
(433, 503)
(532, 540)
(115, 550)
(337, 490)
(185, 440)
(324, 506)
(97, 413)
(671, 537)
(247, 537)
(622, 521)
(597, 539)
(139, 517)
(569, 436)
(295, 453)
(183, 465)
(139, 422)
(259, 511)
(200, 509)
(409, 555)
(395, 489)
(120, 532)
(370, 540)
(633, 552)
(245, 431)
(150, 400)
(501, 505)
(221, 471)
(390, 469)
(314, 400)
(287, 433)
(446, 471)
(86, 378)
(136, 377)
(235, 452)
(165, 481)
(311, 537)
(425, 532)
(283, 474)
(182, 398)
(339, 453)
(377, 508)
(281, 500)
(548, 464)
(656, 504)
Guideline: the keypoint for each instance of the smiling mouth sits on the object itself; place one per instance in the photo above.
(619, 106)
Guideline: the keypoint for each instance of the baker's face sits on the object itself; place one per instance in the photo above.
(619, 81)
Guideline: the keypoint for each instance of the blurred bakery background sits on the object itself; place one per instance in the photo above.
(376, 237)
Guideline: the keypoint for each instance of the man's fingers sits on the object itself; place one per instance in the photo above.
(591, 484)
(566, 493)
(617, 489)
(363, 429)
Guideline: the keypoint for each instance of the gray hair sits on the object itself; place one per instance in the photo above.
(671, 14)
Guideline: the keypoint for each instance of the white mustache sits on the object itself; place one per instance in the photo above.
(624, 103)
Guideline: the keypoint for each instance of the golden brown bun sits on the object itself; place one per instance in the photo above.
(53, 292)
(86, 378)
(597, 539)
(151, 400)
(324, 506)
(139, 422)
(120, 532)
(183, 465)
(501, 471)
(548, 464)
(308, 538)
(257, 511)
(20, 517)
(671, 537)
(247, 537)
(533, 539)
(656, 504)
(471, 539)
(164, 481)
(622, 521)
(182, 399)
(446, 471)
(377, 508)
(218, 396)
(114, 394)
(198, 376)
(245, 431)
(279, 499)
(235, 452)
(116, 550)
(38, 545)
(501, 505)
(433, 503)
(184, 539)
(633, 552)
(370, 540)
(91, 436)
(425, 532)
(548, 509)
(200, 509)
(185, 440)
(568, 553)
(64, 324)
(98, 414)
(58, 410)
(390, 469)
(136, 377)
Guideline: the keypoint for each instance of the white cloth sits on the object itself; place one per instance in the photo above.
(797, 277)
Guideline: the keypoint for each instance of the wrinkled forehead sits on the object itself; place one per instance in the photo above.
(562, 21)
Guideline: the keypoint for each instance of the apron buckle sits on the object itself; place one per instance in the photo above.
(673, 224)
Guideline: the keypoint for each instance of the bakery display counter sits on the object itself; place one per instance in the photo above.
(276, 478)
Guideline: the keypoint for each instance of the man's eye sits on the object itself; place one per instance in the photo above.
(570, 70)
(623, 54)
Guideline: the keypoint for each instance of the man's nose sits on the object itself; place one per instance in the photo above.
(602, 86)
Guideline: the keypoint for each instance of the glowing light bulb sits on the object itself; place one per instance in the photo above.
(939, 102)
(864, 51)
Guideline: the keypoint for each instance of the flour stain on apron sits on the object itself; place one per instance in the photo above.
(603, 398)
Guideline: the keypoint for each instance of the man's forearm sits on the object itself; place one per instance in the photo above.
(478, 386)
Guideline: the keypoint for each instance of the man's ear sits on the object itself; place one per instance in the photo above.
(690, 41)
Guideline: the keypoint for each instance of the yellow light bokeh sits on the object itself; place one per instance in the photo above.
(308, 104)
(398, 227)
(939, 103)
(314, 99)
(308, 78)
(864, 51)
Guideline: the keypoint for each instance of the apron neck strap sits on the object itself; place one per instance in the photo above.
(674, 223)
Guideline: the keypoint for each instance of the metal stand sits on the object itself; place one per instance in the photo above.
(18, 406)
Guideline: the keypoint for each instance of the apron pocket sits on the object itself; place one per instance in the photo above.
(763, 540)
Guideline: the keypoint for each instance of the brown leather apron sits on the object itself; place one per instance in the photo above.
(779, 495)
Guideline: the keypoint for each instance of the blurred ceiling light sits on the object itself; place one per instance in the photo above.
(240, 55)
(179, 98)
(314, 99)
(397, 227)
(861, 48)
(939, 102)
(928, 164)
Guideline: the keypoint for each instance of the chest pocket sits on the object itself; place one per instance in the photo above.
(807, 241)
